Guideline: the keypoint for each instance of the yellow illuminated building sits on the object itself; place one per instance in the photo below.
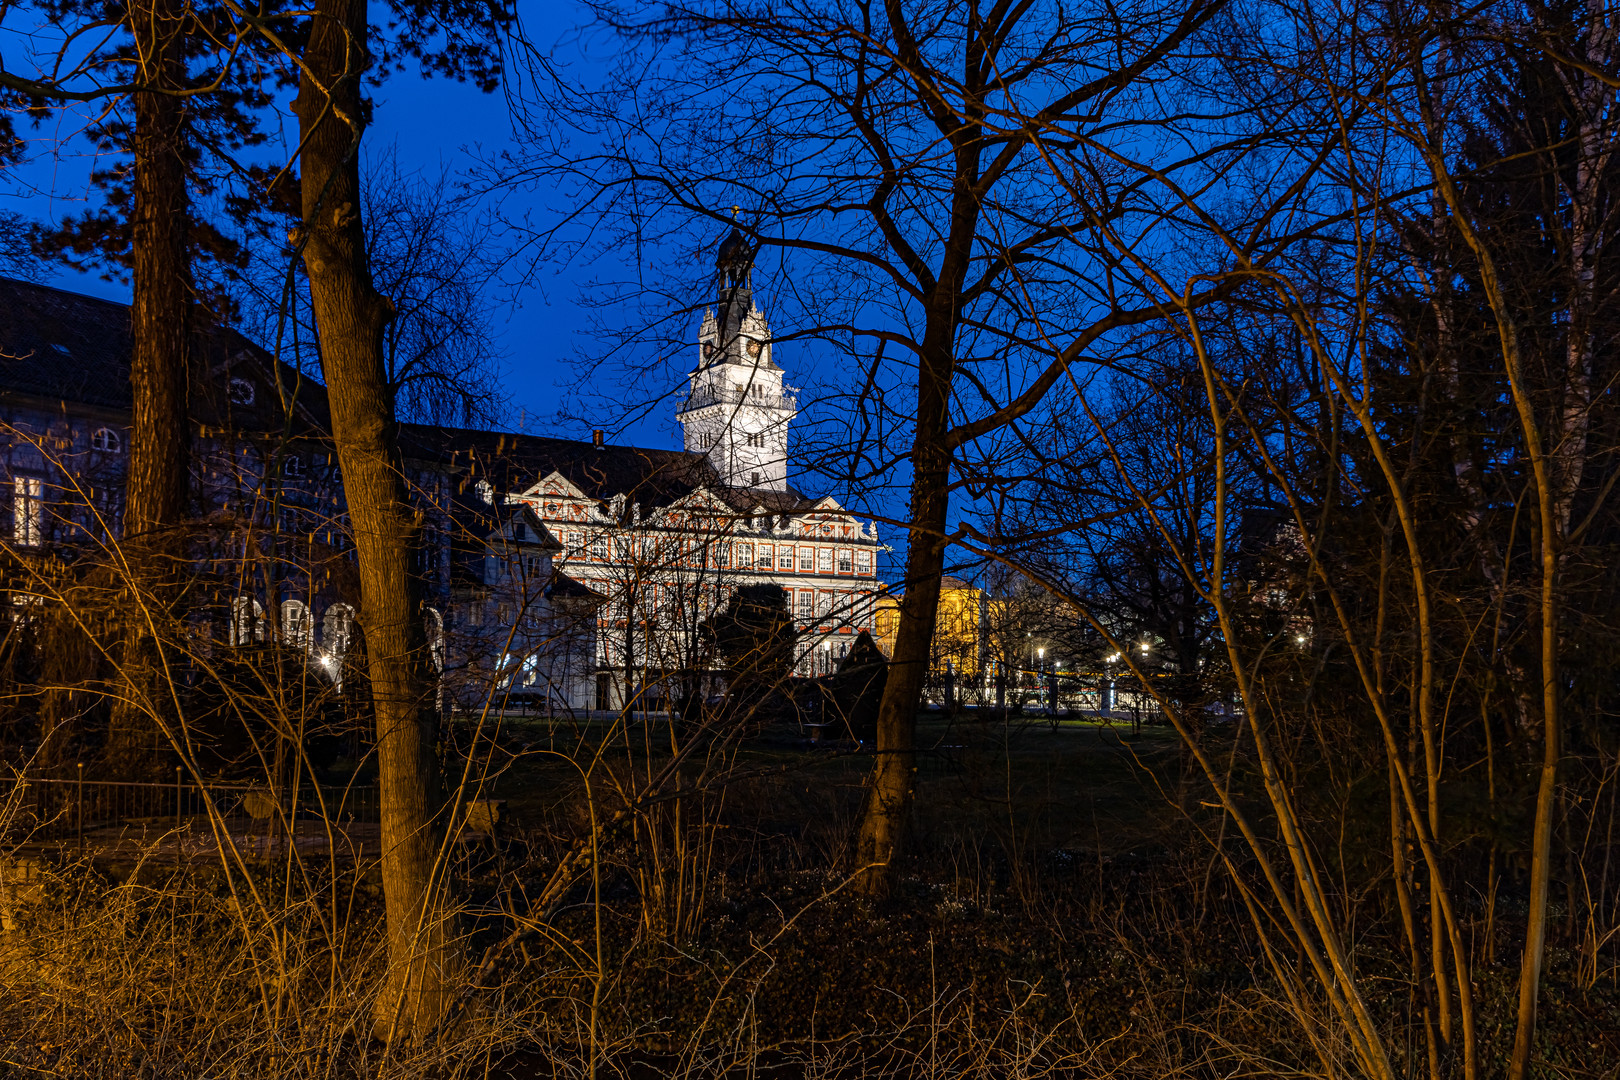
(958, 631)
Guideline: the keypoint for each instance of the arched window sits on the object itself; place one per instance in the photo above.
(297, 626)
(241, 392)
(292, 466)
(107, 441)
(247, 621)
(335, 632)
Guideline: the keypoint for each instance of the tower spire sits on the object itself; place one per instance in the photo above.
(738, 411)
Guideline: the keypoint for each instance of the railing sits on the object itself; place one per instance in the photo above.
(62, 811)
(711, 395)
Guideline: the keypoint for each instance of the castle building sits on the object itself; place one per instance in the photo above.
(572, 575)
(664, 538)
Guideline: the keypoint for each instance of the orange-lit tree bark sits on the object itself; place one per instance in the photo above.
(351, 317)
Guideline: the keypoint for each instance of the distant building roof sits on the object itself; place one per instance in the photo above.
(66, 346)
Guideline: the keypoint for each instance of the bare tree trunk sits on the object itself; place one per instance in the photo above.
(351, 317)
(159, 451)
(888, 804)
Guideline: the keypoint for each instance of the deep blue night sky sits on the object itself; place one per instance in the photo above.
(435, 126)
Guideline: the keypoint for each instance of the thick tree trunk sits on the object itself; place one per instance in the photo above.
(158, 474)
(159, 453)
(888, 805)
(350, 316)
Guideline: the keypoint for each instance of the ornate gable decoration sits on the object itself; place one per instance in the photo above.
(555, 498)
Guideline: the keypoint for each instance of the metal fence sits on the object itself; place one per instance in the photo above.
(56, 811)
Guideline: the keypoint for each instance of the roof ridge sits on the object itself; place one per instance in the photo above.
(25, 283)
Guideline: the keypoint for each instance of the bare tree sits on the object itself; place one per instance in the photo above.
(919, 238)
(352, 318)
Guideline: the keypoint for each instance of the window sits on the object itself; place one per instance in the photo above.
(293, 466)
(807, 560)
(756, 438)
(863, 562)
(28, 510)
(722, 556)
(335, 634)
(784, 557)
(805, 600)
(297, 626)
(824, 560)
(599, 547)
(247, 621)
(743, 556)
(824, 605)
(766, 551)
(846, 562)
(519, 533)
(241, 392)
(106, 440)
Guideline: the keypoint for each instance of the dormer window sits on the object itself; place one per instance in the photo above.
(519, 533)
(241, 392)
(107, 441)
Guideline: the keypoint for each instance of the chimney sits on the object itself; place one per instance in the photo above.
(596, 438)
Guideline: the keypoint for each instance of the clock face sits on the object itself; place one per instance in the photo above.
(753, 348)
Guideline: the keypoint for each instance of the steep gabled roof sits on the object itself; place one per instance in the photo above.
(513, 463)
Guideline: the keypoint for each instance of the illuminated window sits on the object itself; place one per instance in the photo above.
(27, 510)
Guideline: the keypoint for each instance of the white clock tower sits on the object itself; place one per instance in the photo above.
(737, 411)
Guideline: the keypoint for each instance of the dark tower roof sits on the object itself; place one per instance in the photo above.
(734, 259)
(734, 266)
